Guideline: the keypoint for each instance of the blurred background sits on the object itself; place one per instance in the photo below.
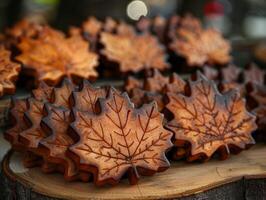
(243, 22)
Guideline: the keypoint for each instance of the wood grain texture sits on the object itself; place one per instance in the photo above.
(180, 180)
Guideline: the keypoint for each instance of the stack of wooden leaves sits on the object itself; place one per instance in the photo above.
(110, 48)
(251, 83)
(8, 73)
(88, 131)
(96, 133)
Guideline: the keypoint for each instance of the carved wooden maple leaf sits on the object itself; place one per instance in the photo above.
(8, 73)
(121, 139)
(43, 92)
(154, 88)
(260, 113)
(156, 26)
(256, 95)
(144, 24)
(32, 136)
(51, 56)
(198, 48)
(254, 74)
(124, 29)
(190, 22)
(156, 82)
(187, 22)
(23, 28)
(87, 97)
(137, 96)
(210, 72)
(230, 73)
(132, 83)
(227, 86)
(16, 112)
(176, 84)
(60, 95)
(134, 53)
(109, 24)
(211, 121)
(56, 144)
(92, 27)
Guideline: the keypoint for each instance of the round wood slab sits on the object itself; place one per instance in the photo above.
(182, 179)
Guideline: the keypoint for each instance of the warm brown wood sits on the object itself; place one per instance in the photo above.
(180, 180)
(132, 53)
(210, 121)
(51, 46)
(5, 101)
(119, 140)
(9, 72)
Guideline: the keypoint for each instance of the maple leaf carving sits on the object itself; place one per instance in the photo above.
(156, 82)
(124, 29)
(51, 56)
(187, 22)
(204, 47)
(43, 92)
(92, 27)
(144, 24)
(23, 28)
(227, 86)
(253, 73)
(60, 95)
(190, 22)
(16, 112)
(210, 72)
(8, 73)
(109, 25)
(31, 136)
(256, 95)
(260, 113)
(132, 83)
(210, 121)
(230, 73)
(87, 97)
(55, 124)
(137, 96)
(34, 113)
(156, 26)
(154, 88)
(121, 139)
(134, 53)
(176, 84)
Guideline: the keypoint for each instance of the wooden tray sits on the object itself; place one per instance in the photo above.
(182, 179)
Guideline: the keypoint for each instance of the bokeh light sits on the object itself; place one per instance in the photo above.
(136, 9)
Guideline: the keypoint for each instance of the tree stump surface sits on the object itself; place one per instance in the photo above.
(239, 177)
